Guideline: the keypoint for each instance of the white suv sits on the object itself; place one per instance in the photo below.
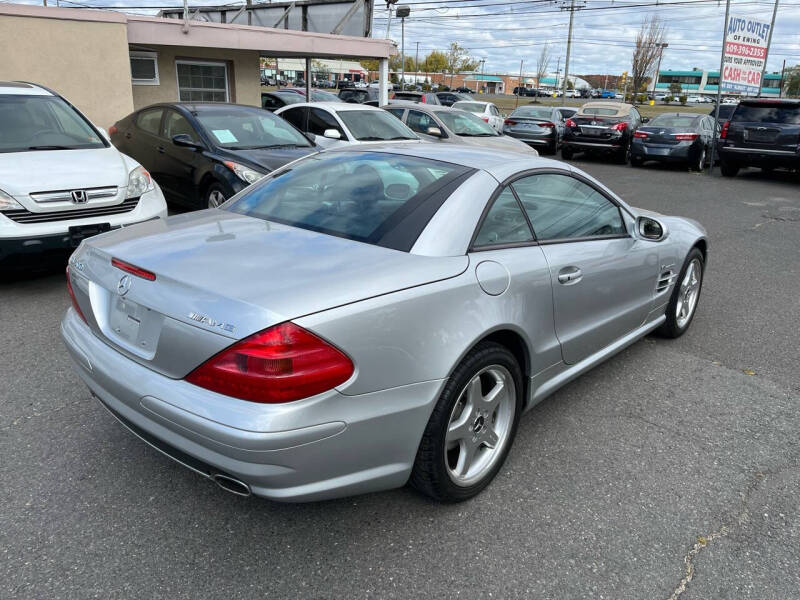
(61, 180)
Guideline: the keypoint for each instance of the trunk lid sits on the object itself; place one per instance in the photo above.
(221, 276)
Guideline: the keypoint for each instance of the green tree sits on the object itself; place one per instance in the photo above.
(458, 59)
(435, 62)
(675, 88)
(791, 81)
(370, 65)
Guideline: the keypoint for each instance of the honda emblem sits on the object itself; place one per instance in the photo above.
(79, 196)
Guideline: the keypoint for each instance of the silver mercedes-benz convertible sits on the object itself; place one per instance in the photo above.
(364, 318)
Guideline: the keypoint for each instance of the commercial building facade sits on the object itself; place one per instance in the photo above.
(702, 82)
(109, 63)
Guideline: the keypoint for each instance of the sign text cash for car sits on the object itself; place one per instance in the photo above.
(744, 55)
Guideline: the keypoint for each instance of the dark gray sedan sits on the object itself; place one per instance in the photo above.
(541, 126)
(674, 137)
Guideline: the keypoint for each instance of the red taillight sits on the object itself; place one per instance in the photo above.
(133, 269)
(570, 123)
(547, 124)
(281, 364)
(640, 134)
(685, 137)
(509, 122)
(621, 126)
(724, 133)
(112, 130)
(423, 99)
(486, 119)
(72, 297)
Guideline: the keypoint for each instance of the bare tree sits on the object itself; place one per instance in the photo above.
(542, 63)
(649, 42)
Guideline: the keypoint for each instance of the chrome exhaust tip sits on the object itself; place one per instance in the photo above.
(229, 484)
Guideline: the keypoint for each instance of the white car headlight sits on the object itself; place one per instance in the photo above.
(8, 203)
(139, 182)
(246, 174)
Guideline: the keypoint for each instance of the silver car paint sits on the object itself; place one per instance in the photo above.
(405, 339)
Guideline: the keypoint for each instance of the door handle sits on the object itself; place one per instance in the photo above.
(160, 149)
(569, 275)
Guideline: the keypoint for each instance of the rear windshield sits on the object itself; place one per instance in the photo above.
(533, 112)
(246, 129)
(675, 121)
(787, 114)
(596, 110)
(473, 107)
(466, 124)
(354, 96)
(377, 198)
(375, 126)
(32, 123)
(725, 111)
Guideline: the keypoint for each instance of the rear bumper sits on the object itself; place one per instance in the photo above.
(678, 152)
(538, 140)
(610, 146)
(323, 447)
(743, 155)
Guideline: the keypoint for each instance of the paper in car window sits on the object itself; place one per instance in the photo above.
(224, 136)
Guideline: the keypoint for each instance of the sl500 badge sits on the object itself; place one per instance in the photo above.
(210, 322)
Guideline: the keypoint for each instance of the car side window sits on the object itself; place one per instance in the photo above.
(419, 121)
(504, 223)
(177, 124)
(494, 110)
(296, 116)
(150, 120)
(397, 112)
(637, 118)
(562, 207)
(319, 120)
(270, 102)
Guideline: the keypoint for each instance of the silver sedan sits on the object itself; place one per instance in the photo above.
(367, 317)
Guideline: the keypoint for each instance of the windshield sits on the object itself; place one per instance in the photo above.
(533, 112)
(29, 123)
(375, 125)
(377, 198)
(473, 107)
(677, 121)
(784, 113)
(466, 124)
(244, 129)
(601, 112)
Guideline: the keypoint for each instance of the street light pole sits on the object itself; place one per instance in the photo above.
(403, 12)
(658, 68)
(766, 56)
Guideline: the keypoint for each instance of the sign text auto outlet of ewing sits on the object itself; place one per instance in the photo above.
(744, 55)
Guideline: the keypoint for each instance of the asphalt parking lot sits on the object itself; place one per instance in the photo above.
(673, 470)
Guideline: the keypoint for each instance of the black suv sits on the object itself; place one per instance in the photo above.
(761, 133)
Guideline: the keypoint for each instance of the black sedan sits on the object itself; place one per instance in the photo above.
(202, 154)
(272, 101)
(674, 137)
(448, 98)
(602, 128)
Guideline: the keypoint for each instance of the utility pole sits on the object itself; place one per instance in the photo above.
(403, 12)
(516, 100)
(783, 74)
(766, 56)
(416, 63)
(571, 8)
(719, 84)
(558, 72)
(389, 16)
(477, 84)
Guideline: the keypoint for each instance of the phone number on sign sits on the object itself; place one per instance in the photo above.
(745, 50)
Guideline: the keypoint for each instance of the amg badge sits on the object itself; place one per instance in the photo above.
(211, 322)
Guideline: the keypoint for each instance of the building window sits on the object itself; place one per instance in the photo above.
(202, 81)
(144, 68)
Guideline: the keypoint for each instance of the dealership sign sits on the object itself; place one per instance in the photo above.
(744, 55)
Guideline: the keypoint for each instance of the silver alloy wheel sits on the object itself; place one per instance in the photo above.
(688, 293)
(215, 198)
(480, 425)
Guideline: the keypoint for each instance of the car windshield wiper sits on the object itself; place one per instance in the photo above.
(402, 137)
(51, 147)
(477, 134)
(372, 138)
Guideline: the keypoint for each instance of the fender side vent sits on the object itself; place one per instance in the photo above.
(665, 280)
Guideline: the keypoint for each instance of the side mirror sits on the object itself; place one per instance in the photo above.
(183, 140)
(332, 134)
(650, 229)
(434, 131)
(645, 119)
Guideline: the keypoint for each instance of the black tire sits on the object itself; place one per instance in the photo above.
(670, 328)
(700, 160)
(567, 153)
(430, 472)
(637, 161)
(728, 169)
(211, 192)
(552, 148)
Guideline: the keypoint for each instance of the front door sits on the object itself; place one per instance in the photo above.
(178, 163)
(603, 279)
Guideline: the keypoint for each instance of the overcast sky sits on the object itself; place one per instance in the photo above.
(504, 32)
